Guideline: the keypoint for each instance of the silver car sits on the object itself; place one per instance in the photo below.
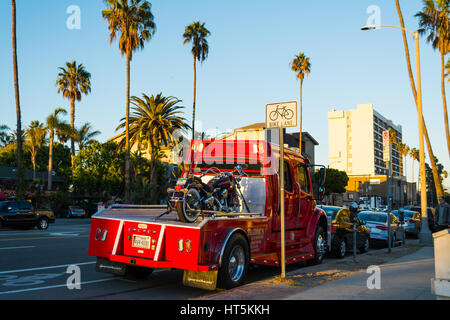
(376, 222)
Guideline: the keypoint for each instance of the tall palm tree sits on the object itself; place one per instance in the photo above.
(20, 188)
(35, 134)
(436, 179)
(301, 65)
(133, 22)
(196, 33)
(434, 21)
(73, 82)
(152, 124)
(54, 124)
(85, 135)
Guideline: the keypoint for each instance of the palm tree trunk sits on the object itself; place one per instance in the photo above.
(72, 125)
(301, 115)
(444, 100)
(127, 138)
(436, 179)
(50, 162)
(20, 188)
(195, 95)
(33, 161)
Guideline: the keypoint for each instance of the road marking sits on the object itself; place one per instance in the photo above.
(56, 286)
(13, 248)
(44, 238)
(46, 268)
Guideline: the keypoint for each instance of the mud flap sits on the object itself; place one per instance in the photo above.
(206, 280)
(106, 266)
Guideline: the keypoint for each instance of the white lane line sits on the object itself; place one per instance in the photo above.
(46, 268)
(56, 286)
(13, 248)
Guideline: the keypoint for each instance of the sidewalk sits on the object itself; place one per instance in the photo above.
(406, 278)
(405, 275)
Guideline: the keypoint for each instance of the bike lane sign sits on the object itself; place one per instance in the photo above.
(281, 115)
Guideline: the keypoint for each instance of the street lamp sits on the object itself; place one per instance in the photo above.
(423, 189)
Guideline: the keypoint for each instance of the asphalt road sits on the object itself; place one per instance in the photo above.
(39, 265)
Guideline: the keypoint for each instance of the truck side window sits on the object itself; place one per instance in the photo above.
(287, 178)
(303, 179)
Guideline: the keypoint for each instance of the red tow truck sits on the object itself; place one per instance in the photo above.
(216, 250)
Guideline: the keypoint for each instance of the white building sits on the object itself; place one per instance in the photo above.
(356, 142)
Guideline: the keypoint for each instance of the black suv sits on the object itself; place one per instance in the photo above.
(22, 213)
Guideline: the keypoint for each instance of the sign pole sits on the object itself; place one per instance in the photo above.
(283, 233)
(279, 116)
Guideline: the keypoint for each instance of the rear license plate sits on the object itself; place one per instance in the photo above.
(141, 242)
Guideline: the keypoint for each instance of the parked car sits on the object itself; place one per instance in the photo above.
(75, 211)
(342, 232)
(413, 222)
(22, 213)
(377, 224)
(430, 214)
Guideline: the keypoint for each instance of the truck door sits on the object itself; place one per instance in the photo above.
(306, 197)
(26, 212)
(290, 201)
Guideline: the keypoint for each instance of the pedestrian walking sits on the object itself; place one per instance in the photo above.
(442, 215)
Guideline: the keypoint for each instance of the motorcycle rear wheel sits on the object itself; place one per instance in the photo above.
(186, 212)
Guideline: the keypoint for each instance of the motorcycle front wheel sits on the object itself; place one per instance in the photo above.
(188, 209)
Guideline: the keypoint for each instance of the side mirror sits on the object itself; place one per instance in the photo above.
(322, 177)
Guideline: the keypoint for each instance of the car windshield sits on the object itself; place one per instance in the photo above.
(330, 211)
(371, 217)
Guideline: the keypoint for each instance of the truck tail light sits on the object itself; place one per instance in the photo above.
(188, 246)
(180, 245)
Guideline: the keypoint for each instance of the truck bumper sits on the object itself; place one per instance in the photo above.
(116, 261)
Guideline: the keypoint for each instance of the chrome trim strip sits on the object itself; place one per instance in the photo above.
(119, 233)
(160, 239)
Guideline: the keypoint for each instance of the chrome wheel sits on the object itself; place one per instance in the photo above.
(321, 245)
(236, 264)
(43, 224)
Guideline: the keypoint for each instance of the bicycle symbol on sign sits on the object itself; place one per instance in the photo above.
(286, 114)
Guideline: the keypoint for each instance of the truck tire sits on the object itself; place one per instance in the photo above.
(235, 263)
(319, 246)
(42, 223)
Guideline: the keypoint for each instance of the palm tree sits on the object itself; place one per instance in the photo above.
(85, 135)
(20, 167)
(414, 91)
(196, 33)
(414, 153)
(5, 137)
(36, 134)
(73, 82)
(152, 124)
(54, 124)
(132, 21)
(434, 21)
(301, 65)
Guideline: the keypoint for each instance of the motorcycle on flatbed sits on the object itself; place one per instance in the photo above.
(192, 197)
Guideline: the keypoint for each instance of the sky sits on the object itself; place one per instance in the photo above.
(251, 46)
